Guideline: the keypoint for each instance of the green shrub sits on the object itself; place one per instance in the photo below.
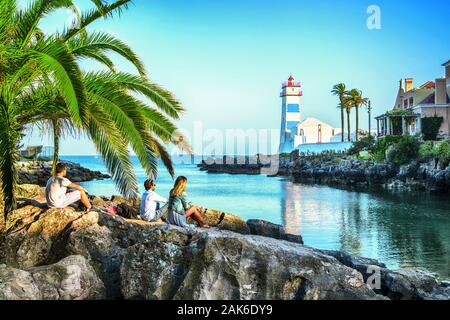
(442, 150)
(365, 144)
(430, 127)
(427, 150)
(380, 147)
(403, 151)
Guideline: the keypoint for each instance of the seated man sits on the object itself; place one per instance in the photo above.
(150, 203)
(56, 191)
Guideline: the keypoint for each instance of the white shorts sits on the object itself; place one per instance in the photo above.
(69, 198)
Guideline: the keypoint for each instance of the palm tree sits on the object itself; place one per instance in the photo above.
(356, 100)
(347, 106)
(42, 83)
(340, 91)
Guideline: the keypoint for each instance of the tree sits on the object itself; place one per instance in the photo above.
(356, 100)
(340, 91)
(42, 83)
(347, 105)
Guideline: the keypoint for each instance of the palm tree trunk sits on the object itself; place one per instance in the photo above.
(348, 126)
(357, 122)
(342, 123)
(56, 132)
(8, 161)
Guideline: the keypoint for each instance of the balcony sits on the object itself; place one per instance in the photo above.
(286, 84)
(284, 93)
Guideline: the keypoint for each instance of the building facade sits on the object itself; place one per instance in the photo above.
(415, 103)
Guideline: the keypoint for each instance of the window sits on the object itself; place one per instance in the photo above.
(411, 101)
(405, 103)
(293, 108)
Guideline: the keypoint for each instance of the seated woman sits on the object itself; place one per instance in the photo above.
(180, 209)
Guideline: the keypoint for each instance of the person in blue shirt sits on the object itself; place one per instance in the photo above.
(179, 207)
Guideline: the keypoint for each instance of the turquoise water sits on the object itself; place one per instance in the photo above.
(408, 230)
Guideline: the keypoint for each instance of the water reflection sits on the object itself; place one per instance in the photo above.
(403, 230)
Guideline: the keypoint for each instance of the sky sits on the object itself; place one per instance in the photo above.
(226, 60)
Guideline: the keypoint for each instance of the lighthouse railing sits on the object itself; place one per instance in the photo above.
(294, 84)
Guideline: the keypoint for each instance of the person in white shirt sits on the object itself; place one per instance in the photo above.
(56, 190)
(151, 209)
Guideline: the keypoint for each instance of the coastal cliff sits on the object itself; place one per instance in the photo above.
(362, 173)
(65, 254)
(350, 172)
(37, 172)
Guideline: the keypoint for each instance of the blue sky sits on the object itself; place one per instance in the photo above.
(225, 60)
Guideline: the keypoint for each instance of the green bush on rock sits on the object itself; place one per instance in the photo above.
(442, 151)
(427, 151)
(365, 144)
(381, 146)
(402, 152)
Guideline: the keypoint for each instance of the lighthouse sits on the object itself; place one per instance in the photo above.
(290, 113)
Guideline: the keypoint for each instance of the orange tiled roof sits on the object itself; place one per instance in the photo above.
(428, 85)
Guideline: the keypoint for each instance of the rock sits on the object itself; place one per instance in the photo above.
(98, 202)
(30, 191)
(408, 284)
(134, 259)
(70, 279)
(34, 233)
(176, 263)
(363, 265)
(231, 221)
(38, 172)
(272, 230)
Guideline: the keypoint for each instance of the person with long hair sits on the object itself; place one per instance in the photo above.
(179, 207)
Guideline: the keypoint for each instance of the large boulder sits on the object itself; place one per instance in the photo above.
(231, 222)
(402, 284)
(271, 230)
(34, 234)
(176, 263)
(70, 279)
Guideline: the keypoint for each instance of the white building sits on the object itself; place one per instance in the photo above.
(294, 131)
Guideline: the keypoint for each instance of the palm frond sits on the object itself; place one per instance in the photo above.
(54, 57)
(98, 56)
(108, 10)
(162, 98)
(8, 10)
(102, 42)
(162, 153)
(126, 118)
(114, 151)
(29, 18)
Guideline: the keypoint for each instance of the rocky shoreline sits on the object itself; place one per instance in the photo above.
(38, 172)
(65, 254)
(349, 172)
